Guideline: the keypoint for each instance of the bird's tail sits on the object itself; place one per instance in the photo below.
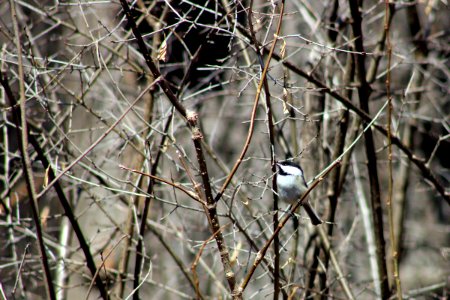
(315, 219)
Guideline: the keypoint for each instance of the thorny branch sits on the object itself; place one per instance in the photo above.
(68, 72)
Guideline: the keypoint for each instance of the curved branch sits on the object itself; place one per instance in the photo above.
(255, 105)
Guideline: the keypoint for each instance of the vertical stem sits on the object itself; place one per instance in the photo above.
(334, 187)
(8, 204)
(22, 132)
(394, 248)
(270, 124)
(417, 79)
(364, 91)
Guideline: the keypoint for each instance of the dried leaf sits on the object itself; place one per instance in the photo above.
(44, 215)
(46, 177)
(283, 49)
(162, 52)
(285, 107)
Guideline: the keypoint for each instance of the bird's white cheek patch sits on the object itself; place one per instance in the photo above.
(286, 181)
(291, 170)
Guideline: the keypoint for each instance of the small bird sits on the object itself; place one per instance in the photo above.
(292, 185)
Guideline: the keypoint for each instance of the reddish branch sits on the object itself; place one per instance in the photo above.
(197, 137)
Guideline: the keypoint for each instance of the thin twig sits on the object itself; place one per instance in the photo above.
(175, 185)
(173, 254)
(341, 278)
(196, 260)
(94, 278)
(145, 211)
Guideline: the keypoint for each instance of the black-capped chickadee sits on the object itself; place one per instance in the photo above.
(291, 185)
